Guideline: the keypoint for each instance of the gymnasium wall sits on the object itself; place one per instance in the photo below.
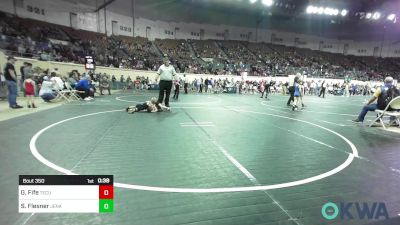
(58, 12)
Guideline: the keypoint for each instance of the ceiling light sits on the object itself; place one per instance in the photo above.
(320, 10)
(391, 17)
(310, 9)
(267, 2)
(368, 16)
(253, 1)
(327, 11)
(344, 12)
(376, 16)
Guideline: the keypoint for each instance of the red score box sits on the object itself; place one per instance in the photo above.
(106, 192)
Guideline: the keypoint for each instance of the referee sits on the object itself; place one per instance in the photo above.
(166, 73)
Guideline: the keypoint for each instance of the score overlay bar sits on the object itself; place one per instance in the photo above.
(66, 193)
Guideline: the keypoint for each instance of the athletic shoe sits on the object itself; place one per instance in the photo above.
(16, 107)
(168, 109)
(127, 109)
(357, 121)
(133, 110)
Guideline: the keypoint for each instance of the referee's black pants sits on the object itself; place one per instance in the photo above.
(185, 86)
(165, 85)
(291, 98)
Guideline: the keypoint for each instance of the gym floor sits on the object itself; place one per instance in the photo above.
(213, 159)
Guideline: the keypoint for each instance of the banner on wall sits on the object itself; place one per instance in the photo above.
(207, 59)
(58, 42)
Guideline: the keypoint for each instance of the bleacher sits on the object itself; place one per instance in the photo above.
(31, 38)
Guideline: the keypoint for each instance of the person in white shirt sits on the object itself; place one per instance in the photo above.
(59, 84)
(186, 83)
(313, 87)
(166, 73)
(46, 90)
(291, 83)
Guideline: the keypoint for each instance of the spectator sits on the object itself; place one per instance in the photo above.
(11, 79)
(383, 94)
(58, 82)
(105, 84)
(46, 90)
(83, 86)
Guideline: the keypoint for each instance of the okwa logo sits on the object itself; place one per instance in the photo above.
(350, 210)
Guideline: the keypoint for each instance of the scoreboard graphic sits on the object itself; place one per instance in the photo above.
(66, 193)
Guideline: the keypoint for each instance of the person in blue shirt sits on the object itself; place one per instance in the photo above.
(85, 91)
(297, 94)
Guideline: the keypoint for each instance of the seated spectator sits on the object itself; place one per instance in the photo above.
(383, 94)
(58, 82)
(72, 81)
(86, 93)
(46, 90)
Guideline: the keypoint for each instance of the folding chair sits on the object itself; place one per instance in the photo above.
(394, 105)
(73, 96)
(61, 94)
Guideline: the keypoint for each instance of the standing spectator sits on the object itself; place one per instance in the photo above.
(186, 83)
(166, 73)
(122, 82)
(11, 79)
(3, 85)
(21, 69)
(262, 89)
(25, 70)
(201, 85)
(313, 87)
(113, 80)
(323, 89)
(177, 86)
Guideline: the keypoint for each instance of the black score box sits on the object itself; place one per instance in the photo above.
(66, 193)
